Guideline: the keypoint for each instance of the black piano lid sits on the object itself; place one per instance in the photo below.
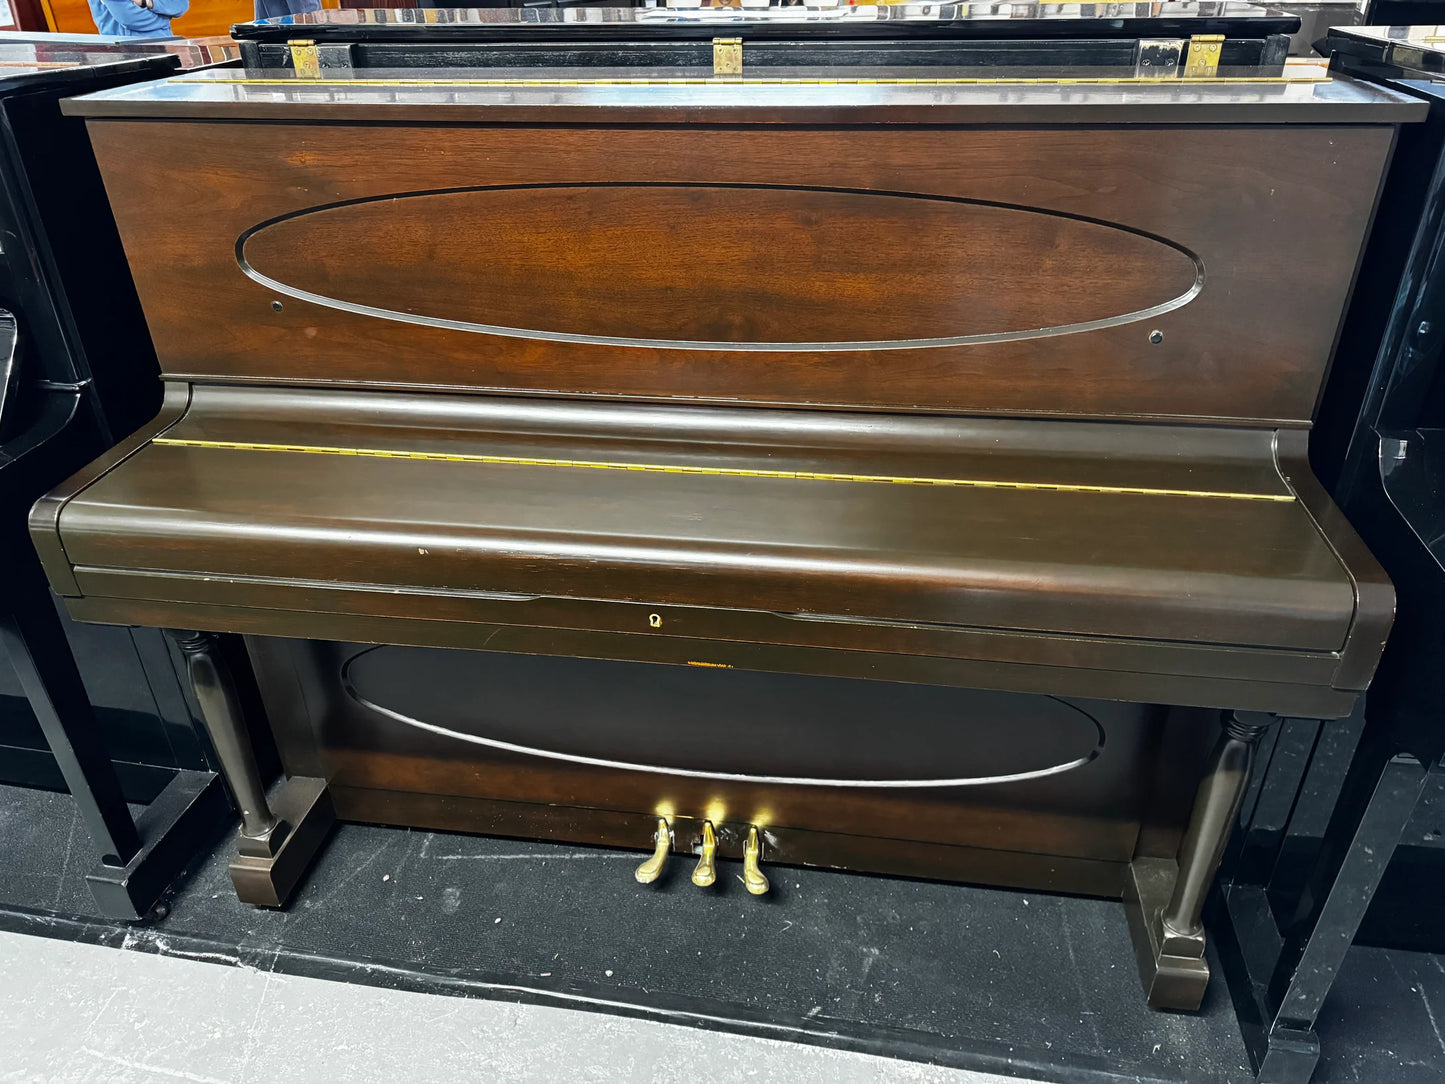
(1405, 50)
(43, 65)
(848, 22)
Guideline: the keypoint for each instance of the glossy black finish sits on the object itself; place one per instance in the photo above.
(913, 22)
(80, 376)
(1037, 37)
(1041, 55)
(1302, 883)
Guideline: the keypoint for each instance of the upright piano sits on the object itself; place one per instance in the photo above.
(861, 437)
(101, 712)
(1287, 924)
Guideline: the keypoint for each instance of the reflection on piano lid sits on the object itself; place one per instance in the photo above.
(40, 52)
(1410, 51)
(839, 20)
(1019, 40)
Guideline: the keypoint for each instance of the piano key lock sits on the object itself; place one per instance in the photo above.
(704, 874)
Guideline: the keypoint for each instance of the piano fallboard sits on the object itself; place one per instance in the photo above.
(1151, 551)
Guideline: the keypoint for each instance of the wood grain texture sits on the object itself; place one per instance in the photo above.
(1252, 345)
(676, 265)
(1193, 569)
(1092, 812)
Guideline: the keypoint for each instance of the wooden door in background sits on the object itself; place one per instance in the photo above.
(206, 18)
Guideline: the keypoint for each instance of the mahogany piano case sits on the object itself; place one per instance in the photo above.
(899, 474)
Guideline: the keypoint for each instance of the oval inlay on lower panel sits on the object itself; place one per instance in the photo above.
(724, 724)
(729, 267)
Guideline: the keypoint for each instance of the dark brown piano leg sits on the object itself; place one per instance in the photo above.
(1165, 899)
(280, 836)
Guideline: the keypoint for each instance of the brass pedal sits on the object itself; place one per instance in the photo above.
(651, 870)
(753, 879)
(706, 872)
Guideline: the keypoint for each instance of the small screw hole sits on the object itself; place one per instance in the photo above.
(1156, 336)
(276, 306)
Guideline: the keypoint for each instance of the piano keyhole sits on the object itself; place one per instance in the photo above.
(655, 620)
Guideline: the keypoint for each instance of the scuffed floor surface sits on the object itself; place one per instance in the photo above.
(78, 1013)
(1383, 1020)
(1023, 984)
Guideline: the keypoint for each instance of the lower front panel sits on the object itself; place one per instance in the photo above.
(921, 780)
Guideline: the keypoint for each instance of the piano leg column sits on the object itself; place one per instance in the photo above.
(1165, 899)
(281, 834)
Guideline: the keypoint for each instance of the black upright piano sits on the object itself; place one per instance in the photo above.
(102, 712)
(1333, 822)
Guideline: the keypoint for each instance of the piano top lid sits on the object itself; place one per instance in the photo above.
(49, 51)
(450, 96)
(771, 20)
(1408, 50)
(42, 66)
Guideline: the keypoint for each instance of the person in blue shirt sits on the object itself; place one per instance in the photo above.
(136, 18)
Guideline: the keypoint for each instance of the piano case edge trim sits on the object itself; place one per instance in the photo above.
(44, 519)
(1297, 699)
(1374, 593)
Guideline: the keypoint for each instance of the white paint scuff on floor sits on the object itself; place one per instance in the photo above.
(73, 1013)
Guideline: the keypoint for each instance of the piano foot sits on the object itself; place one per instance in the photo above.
(304, 806)
(279, 837)
(1165, 898)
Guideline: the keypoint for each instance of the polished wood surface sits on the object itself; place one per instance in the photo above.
(685, 409)
(981, 553)
(662, 263)
(416, 96)
(1252, 344)
(1088, 809)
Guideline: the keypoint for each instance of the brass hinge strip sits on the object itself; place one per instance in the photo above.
(733, 472)
(1085, 80)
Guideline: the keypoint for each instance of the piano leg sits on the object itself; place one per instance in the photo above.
(280, 835)
(1165, 899)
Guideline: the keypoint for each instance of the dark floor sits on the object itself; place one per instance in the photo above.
(1004, 981)
(1382, 1022)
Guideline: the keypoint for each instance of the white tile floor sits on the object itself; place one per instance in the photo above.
(73, 1012)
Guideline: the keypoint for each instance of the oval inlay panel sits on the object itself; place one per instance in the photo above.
(736, 267)
(727, 725)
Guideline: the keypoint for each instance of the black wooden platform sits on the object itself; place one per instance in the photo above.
(1010, 982)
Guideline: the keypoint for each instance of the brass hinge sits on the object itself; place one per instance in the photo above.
(1203, 59)
(305, 59)
(727, 56)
